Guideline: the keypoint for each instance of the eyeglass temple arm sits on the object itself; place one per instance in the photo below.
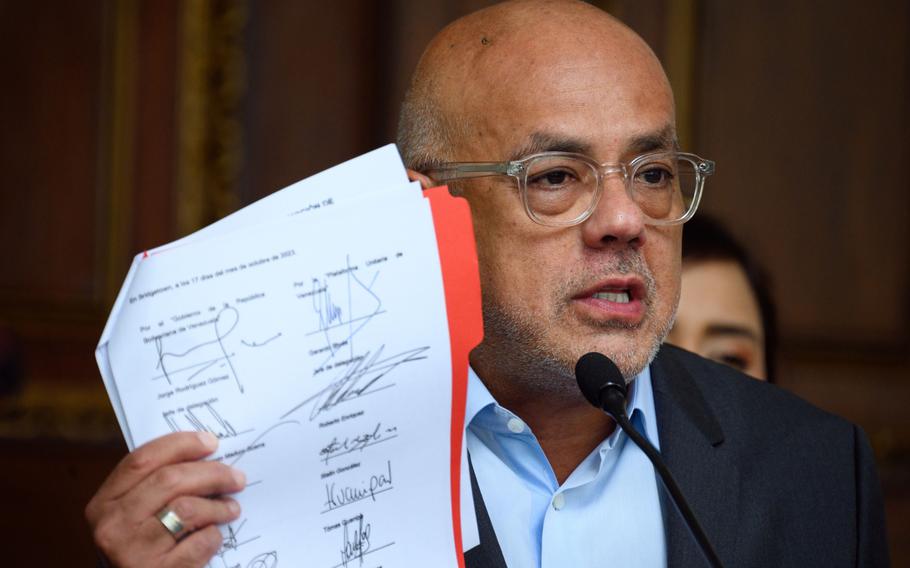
(468, 170)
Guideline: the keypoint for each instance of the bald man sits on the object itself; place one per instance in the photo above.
(556, 123)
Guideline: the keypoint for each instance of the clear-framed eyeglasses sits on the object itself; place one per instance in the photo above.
(561, 189)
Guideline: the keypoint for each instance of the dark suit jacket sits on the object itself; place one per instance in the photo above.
(774, 481)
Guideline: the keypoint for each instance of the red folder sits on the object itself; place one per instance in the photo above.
(461, 282)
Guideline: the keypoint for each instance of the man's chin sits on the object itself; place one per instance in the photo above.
(631, 351)
(543, 357)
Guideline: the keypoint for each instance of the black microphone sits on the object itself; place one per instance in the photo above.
(603, 385)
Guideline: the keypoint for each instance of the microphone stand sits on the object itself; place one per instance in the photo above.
(603, 386)
(670, 485)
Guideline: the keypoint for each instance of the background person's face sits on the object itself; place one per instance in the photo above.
(718, 316)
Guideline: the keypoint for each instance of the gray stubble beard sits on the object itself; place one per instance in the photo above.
(516, 339)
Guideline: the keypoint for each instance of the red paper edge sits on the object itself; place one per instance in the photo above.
(461, 282)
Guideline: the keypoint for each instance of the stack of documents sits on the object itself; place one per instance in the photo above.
(322, 334)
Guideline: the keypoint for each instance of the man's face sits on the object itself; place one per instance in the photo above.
(610, 284)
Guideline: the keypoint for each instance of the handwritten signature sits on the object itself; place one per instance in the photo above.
(261, 560)
(222, 325)
(350, 444)
(357, 543)
(262, 343)
(329, 313)
(201, 417)
(337, 497)
(359, 380)
(363, 304)
(232, 540)
(356, 540)
(264, 560)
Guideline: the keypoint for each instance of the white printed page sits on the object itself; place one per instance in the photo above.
(316, 349)
(375, 172)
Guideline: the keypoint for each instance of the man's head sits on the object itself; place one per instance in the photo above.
(526, 77)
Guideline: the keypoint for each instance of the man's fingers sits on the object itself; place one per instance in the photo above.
(199, 512)
(164, 472)
(194, 513)
(170, 449)
(167, 483)
(195, 550)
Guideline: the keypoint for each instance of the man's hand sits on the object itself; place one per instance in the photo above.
(165, 472)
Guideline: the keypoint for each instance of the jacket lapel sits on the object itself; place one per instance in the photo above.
(692, 443)
(487, 554)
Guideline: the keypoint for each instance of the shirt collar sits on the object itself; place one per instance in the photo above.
(640, 407)
(478, 398)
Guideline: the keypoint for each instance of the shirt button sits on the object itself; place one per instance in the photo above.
(559, 501)
(515, 425)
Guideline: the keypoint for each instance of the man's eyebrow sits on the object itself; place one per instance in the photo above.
(727, 330)
(664, 139)
(544, 142)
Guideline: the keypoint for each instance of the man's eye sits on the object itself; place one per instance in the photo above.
(655, 176)
(552, 178)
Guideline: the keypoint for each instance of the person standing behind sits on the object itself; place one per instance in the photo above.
(726, 312)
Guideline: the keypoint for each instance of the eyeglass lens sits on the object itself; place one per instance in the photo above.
(561, 189)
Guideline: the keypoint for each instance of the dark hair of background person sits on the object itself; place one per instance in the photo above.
(706, 239)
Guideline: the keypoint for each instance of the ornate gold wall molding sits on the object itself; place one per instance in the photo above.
(680, 62)
(210, 88)
(116, 155)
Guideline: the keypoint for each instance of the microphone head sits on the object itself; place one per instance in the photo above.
(596, 372)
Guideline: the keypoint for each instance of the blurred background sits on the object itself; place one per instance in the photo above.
(126, 124)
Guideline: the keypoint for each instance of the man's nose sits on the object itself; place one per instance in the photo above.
(616, 219)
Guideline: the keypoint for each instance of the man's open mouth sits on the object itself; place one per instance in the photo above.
(620, 297)
(619, 290)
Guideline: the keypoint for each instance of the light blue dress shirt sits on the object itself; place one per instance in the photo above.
(608, 511)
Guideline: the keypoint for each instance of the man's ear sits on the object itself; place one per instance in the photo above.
(425, 182)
